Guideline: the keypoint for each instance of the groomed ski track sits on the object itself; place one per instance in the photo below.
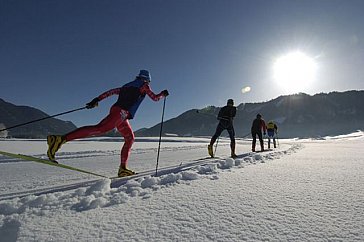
(116, 182)
(187, 165)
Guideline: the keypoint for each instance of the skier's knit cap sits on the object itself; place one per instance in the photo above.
(145, 74)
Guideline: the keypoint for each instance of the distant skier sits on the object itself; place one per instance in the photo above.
(257, 127)
(226, 116)
(272, 131)
(130, 97)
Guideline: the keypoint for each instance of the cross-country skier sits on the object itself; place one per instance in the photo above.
(130, 97)
(272, 131)
(257, 127)
(226, 116)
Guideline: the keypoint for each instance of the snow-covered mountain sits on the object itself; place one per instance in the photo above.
(299, 115)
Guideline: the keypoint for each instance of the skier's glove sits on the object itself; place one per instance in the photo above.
(165, 93)
(93, 103)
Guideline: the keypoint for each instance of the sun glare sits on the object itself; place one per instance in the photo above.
(245, 89)
(294, 71)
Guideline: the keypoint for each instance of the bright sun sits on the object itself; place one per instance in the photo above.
(295, 71)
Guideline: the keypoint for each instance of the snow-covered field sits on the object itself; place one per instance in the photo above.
(305, 190)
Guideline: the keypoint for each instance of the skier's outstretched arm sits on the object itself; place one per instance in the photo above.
(155, 97)
(96, 100)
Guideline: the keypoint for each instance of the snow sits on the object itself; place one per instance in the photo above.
(304, 190)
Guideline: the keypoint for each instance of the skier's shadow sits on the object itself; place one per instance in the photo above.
(252, 153)
(245, 155)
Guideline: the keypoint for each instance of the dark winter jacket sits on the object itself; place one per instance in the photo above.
(258, 125)
(226, 116)
(227, 113)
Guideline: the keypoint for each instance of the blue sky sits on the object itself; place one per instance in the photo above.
(59, 55)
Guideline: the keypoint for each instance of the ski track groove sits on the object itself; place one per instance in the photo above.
(98, 153)
(249, 157)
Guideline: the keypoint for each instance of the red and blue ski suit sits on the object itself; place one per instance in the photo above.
(130, 97)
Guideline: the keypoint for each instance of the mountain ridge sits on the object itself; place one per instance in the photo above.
(297, 115)
(11, 115)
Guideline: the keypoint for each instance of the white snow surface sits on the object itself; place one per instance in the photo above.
(304, 190)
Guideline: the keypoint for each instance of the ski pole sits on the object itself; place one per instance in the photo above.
(217, 141)
(160, 136)
(37, 120)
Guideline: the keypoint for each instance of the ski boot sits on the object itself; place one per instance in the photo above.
(123, 171)
(261, 147)
(210, 150)
(54, 144)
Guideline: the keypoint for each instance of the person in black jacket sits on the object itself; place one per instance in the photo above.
(226, 116)
(257, 127)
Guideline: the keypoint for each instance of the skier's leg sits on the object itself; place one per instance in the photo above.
(254, 141)
(260, 136)
(56, 141)
(125, 129)
(218, 132)
(270, 136)
(107, 124)
(232, 141)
